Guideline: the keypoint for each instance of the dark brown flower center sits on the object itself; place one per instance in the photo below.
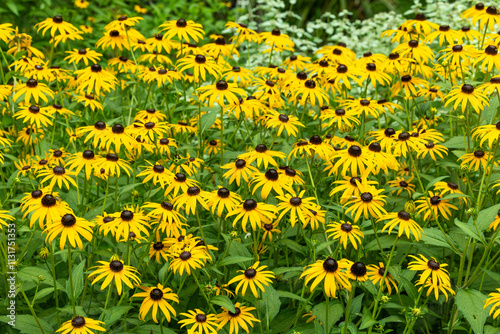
(250, 273)
(283, 118)
(240, 163)
(221, 85)
(353, 181)
(184, 256)
(127, 215)
(58, 170)
(193, 191)
(366, 197)
(346, 227)
(413, 43)
(435, 200)
(181, 23)
(492, 10)
(179, 177)
(36, 194)
(444, 28)
(358, 269)
(452, 185)
(433, 265)
(249, 205)
(491, 50)
(118, 129)
(261, 148)
(68, 220)
(57, 19)
(479, 154)
(276, 32)
(371, 67)
(295, 201)
(330, 265)
(223, 193)
(375, 147)
(272, 175)
(364, 103)
(167, 206)
(112, 157)
(403, 136)
(116, 266)
(310, 84)
(302, 76)
(403, 215)
(200, 59)
(354, 151)
(78, 321)
(158, 246)
(156, 294)
(393, 56)
(341, 68)
(315, 140)
(48, 201)
(32, 83)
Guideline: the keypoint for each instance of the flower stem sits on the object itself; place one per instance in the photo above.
(30, 306)
(72, 292)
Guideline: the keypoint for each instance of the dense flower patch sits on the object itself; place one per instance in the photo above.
(160, 184)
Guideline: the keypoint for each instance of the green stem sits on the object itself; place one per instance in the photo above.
(30, 306)
(72, 292)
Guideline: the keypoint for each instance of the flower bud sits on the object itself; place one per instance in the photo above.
(40, 278)
(410, 206)
(384, 299)
(464, 168)
(416, 311)
(44, 253)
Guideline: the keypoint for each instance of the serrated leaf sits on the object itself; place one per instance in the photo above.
(223, 301)
(470, 303)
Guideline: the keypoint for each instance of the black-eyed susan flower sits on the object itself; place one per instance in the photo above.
(403, 221)
(56, 24)
(82, 55)
(255, 278)
(253, 212)
(437, 204)
(34, 115)
(191, 198)
(262, 155)
(349, 186)
(415, 50)
(489, 17)
(477, 159)
(381, 160)
(70, 228)
(341, 117)
(157, 298)
(113, 165)
(353, 159)
(117, 38)
(421, 24)
(178, 182)
(238, 170)
(430, 269)
(277, 40)
(490, 87)
(270, 180)
(89, 101)
(402, 185)
(188, 259)
(221, 92)
(450, 188)
(432, 150)
(345, 231)
(284, 122)
(81, 325)
(376, 275)
(270, 228)
(184, 30)
(240, 318)
(95, 79)
(117, 272)
(58, 175)
(370, 203)
(221, 199)
(329, 271)
(200, 65)
(344, 73)
(436, 287)
(85, 160)
(200, 322)
(297, 206)
(33, 89)
(131, 219)
(466, 95)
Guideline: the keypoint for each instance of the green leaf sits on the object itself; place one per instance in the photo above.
(455, 142)
(433, 236)
(470, 303)
(470, 230)
(208, 119)
(223, 301)
(287, 294)
(162, 274)
(335, 312)
(356, 304)
(487, 216)
(77, 280)
(128, 187)
(270, 304)
(114, 314)
(434, 181)
(293, 245)
(12, 6)
(234, 259)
